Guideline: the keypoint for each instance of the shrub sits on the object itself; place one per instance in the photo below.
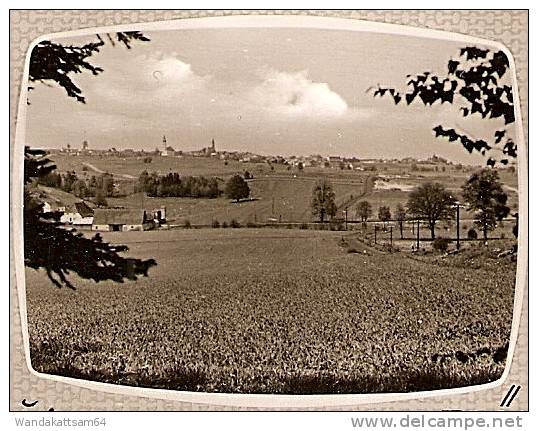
(187, 224)
(234, 223)
(84, 168)
(224, 225)
(472, 234)
(303, 226)
(441, 244)
(215, 224)
(251, 224)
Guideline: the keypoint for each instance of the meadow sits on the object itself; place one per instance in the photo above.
(283, 311)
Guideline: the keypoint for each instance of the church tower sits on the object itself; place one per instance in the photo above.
(165, 151)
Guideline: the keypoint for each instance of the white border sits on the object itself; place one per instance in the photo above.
(267, 400)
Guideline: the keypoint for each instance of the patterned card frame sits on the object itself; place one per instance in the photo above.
(506, 27)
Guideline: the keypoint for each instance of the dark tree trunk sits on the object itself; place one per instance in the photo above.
(401, 230)
(432, 230)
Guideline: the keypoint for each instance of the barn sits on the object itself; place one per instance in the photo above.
(121, 220)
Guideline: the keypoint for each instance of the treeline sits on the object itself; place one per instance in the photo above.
(102, 185)
(174, 185)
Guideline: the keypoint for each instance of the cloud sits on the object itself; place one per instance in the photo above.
(154, 79)
(294, 94)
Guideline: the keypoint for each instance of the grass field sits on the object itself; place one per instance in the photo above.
(276, 311)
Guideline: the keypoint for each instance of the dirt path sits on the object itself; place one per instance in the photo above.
(100, 171)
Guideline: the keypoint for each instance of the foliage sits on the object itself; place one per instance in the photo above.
(400, 216)
(215, 224)
(81, 187)
(237, 188)
(59, 251)
(384, 213)
(323, 200)
(174, 185)
(431, 202)
(485, 196)
(55, 62)
(235, 224)
(100, 199)
(515, 229)
(474, 80)
(471, 234)
(364, 211)
(441, 244)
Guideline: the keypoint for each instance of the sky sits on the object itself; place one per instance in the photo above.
(268, 91)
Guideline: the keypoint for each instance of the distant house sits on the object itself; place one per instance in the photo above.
(79, 215)
(122, 220)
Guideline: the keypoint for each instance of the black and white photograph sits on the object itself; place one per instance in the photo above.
(271, 210)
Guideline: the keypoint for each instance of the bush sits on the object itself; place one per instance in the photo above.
(472, 234)
(187, 224)
(303, 226)
(84, 168)
(215, 224)
(224, 225)
(234, 223)
(251, 224)
(441, 244)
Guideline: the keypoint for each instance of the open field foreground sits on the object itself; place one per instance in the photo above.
(276, 311)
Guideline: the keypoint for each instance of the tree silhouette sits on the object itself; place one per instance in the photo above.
(400, 216)
(364, 211)
(47, 244)
(323, 205)
(431, 202)
(484, 194)
(55, 62)
(474, 80)
(384, 214)
(237, 188)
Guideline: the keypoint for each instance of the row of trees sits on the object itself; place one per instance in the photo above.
(174, 185)
(98, 187)
(429, 202)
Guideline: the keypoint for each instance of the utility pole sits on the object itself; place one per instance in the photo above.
(375, 234)
(391, 236)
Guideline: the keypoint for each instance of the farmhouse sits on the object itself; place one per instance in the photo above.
(79, 215)
(121, 220)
